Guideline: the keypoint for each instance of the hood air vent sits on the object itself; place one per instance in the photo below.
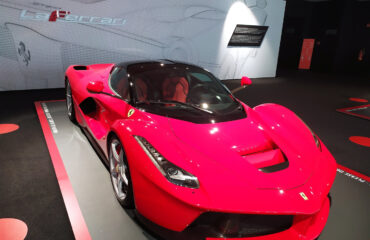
(268, 161)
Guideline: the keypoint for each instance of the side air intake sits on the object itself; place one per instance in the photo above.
(79, 68)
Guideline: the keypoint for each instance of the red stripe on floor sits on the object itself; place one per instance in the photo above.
(357, 174)
(358, 100)
(78, 223)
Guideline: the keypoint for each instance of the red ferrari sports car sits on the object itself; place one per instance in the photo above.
(194, 161)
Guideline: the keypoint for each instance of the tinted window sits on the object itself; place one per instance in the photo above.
(119, 82)
(184, 92)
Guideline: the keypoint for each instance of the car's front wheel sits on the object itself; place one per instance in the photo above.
(120, 174)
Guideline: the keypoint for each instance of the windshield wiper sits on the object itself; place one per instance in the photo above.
(176, 103)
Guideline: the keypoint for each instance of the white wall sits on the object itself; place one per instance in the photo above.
(195, 31)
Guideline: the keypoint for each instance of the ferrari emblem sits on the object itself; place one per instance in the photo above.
(303, 196)
(130, 112)
(23, 52)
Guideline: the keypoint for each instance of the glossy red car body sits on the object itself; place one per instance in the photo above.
(226, 157)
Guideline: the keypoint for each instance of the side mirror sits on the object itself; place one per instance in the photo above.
(246, 81)
(95, 86)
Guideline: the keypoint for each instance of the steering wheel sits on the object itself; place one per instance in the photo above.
(202, 93)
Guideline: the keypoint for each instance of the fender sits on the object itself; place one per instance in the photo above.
(281, 122)
(79, 76)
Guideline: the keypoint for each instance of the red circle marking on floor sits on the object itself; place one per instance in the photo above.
(7, 128)
(361, 100)
(364, 141)
(12, 229)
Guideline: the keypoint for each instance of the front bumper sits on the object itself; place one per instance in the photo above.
(170, 210)
(303, 227)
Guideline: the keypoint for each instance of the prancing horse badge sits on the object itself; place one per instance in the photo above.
(130, 112)
(303, 196)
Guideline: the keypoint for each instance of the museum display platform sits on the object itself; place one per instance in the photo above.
(94, 212)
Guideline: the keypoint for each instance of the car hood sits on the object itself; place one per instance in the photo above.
(226, 158)
(241, 147)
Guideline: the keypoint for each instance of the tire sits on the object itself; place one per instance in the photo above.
(120, 174)
(69, 101)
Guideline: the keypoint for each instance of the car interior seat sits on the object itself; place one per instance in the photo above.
(141, 89)
(123, 89)
(175, 89)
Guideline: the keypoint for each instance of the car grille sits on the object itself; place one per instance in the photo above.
(223, 225)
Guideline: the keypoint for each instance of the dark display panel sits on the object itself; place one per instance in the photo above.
(247, 36)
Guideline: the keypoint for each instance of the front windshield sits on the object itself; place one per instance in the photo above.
(168, 88)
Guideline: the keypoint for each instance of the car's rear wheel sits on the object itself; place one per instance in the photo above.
(70, 108)
(120, 174)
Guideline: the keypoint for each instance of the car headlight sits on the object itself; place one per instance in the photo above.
(315, 137)
(173, 173)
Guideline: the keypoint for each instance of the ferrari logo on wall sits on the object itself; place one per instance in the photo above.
(23, 52)
(66, 16)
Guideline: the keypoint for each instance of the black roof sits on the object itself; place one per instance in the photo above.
(128, 63)
(165, 61)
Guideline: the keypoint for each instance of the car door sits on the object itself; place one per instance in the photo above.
(110, 107)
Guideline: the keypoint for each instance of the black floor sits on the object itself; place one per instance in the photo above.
(28, 187)
(29, 190)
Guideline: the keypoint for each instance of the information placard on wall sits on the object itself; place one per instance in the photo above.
(248, 36)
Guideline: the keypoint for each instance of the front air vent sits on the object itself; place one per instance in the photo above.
(268, 161)
(275, 168)
(227, 225)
